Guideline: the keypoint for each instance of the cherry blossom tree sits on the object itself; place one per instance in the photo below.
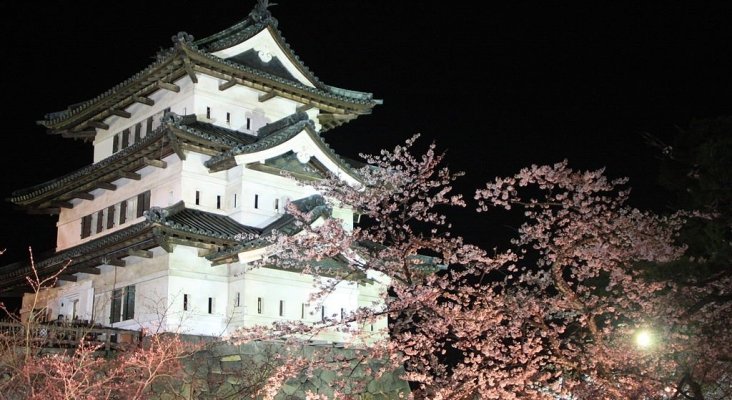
(557, 315)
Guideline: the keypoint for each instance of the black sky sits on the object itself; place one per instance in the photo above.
(500, 86)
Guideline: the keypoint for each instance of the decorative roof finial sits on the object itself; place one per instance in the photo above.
(260, 11)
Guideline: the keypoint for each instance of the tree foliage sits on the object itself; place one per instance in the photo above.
(557, 314)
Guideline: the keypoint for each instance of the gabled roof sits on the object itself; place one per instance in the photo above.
(277, 133)
(186, 58)
(259, 19)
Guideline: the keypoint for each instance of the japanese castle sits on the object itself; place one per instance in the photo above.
(196, 159)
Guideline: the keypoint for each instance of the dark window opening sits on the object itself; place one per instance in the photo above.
(115, 144)
(125, 138)
(110, 217)
(185, 302)
(86, 222)
(198, 198)
(259, 305)
(143, 203)
(228, 118)
(116, 309)
(149, 125)
(322, 313)
(249, 123)
(208, 112)
(256, 201)
(282, 308)
(128, 312)
(302, 311)
(277, 204)
(138, 132)
(218, 202)
(210, 305)
(100, 221)
(122, 212)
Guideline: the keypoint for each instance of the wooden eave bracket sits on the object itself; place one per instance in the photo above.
(91, 271)
(154, 163)
(141, 253)
(82, 195)
(304, 107)
(130, 175)
(267, 96)
(106, 186)
(169, 86)
(120, 113)
(175, 144)
(62, 204)
(188, 66)
(227, 84)
(98, 125)
(116, 262)
(143, 100)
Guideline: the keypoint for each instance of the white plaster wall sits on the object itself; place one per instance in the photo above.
(267, 187)
(196, 177)
(180, 103)
(163, 183)
(240, 102)
(194, 276)
(294, 289)
(150, 277)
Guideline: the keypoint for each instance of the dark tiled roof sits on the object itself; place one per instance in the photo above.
(198, 131)
(172, 59)
(198, 222)
(274, 134)
(315, 205)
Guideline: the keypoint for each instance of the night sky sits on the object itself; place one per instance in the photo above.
(499, 87)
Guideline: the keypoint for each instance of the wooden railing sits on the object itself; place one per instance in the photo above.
(70, 335)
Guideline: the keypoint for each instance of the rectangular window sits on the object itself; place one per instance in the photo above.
(116, 309)
(228, 118)
(249, 123)
(372, 327)
(237, 299)
(149, 126)
(138, 132)
(259, 305)
(143, 203)
(218, 202)
(302, 311)
(282, 308)
(208, 112)
(343, 313)
(86, 223)
(198, 198)
(185, 302)
(122, 212)
(235, 200)
(115, 144)
(322, 313)
(125, 138)
(128, 312)
(277, 204)
(210, 305)
(100, 221)
(256, 201)
(110, 217)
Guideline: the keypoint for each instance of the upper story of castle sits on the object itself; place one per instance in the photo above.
(220, 125)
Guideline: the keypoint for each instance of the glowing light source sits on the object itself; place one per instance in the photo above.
(644, 338)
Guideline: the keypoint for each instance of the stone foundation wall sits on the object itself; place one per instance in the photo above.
(227, 371)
